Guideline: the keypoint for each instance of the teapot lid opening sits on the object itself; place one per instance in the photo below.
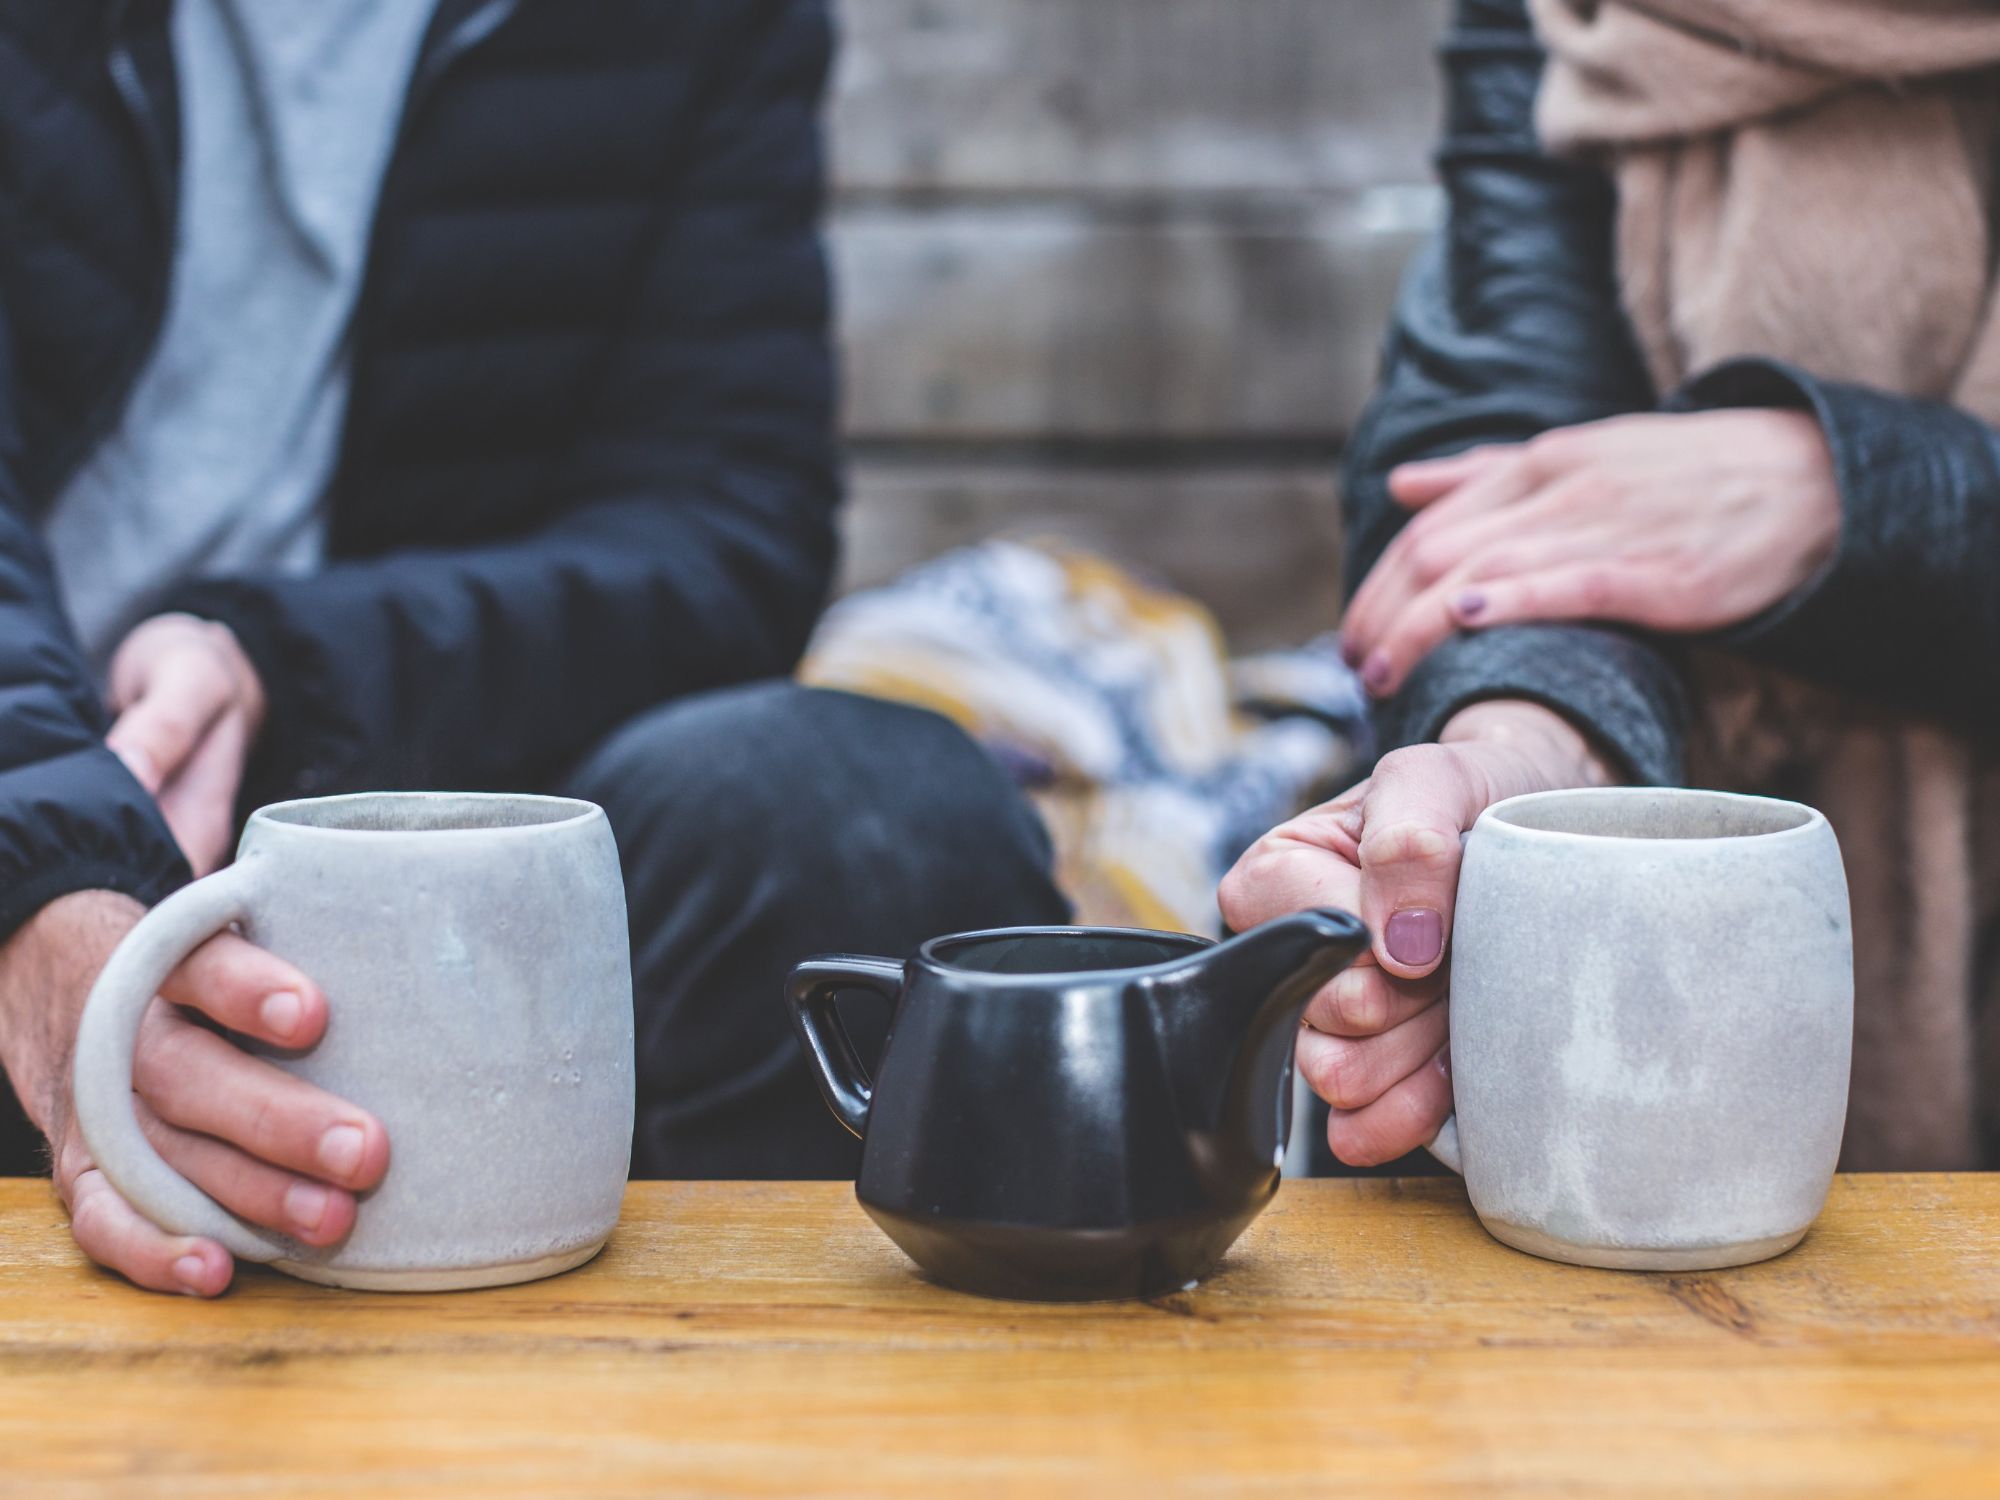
(1060, 950)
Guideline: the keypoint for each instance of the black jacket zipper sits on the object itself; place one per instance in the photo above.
(161, 166)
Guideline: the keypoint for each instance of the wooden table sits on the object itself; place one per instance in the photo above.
(1364, 1339)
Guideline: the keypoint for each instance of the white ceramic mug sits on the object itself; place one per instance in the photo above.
(474, 956)
(1652, 1012)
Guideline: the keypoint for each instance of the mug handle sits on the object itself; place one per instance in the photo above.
(1444, 1145)
(106, 1036)
(842, 1076)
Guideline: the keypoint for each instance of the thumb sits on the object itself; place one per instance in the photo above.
(1423, 800)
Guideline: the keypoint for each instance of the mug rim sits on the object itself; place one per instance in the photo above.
(927, 952)
(1499, 812)
(274, 815)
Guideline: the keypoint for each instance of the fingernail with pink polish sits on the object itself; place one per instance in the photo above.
(1414, 937)
(1376, 673)
(1471, 604)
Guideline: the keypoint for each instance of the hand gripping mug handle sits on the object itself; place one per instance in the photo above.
(105, 1040)
(842, 1076)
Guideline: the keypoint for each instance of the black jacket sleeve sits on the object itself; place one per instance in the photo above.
(1908, 612)
(71, 817)
(1509, 324)
(695, 537)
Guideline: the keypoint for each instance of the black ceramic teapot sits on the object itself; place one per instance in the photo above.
(1070, 1113)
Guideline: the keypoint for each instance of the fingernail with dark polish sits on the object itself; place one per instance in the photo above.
(1350, 653)
(191, 1271)
(1376, 673)
(281, 1013)
(1471, 604)
(1414, 937)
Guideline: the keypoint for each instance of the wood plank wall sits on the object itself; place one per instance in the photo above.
(1116, 270)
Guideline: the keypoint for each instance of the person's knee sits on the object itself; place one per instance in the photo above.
(765, 823)
(774, 777)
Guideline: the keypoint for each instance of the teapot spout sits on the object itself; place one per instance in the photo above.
(1227, 1018)
(1282, 963)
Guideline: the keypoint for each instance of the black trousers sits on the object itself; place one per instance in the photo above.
(757, 825)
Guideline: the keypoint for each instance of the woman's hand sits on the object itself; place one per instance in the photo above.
(189, 706)
(1388, 849)
(1674, 522)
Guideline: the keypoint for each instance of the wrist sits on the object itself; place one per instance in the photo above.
(1549, 752)
(46, 970)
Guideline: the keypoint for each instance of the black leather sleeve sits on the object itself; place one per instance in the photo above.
(1509, 324)
(1908, 612)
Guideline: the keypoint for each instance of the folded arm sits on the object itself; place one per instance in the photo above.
(1509, 325)
(1907, 610)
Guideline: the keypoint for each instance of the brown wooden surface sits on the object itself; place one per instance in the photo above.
(1365, 1338)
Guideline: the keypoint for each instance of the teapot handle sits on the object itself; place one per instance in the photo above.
(842, 1076)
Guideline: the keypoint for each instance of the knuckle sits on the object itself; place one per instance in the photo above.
(1360, 1004)
(262, 1129)
(1594, 590)
(1584, 492)
(1311, 1061)
(1408, 842)
(91, 1221)
(1549, 451)
(1417, 1116)
(1697, 573)
(1431, 557)
(158, 1065)
(165, 730)
(1355, 1141)
(1399, 765)
(1340, 1075)
(1236, 893)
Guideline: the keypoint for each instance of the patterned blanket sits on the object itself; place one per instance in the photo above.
(1154, 759)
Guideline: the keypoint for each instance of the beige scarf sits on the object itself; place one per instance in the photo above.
(1813, 180)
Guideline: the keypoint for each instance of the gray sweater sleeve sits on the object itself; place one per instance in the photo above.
(1509, 324)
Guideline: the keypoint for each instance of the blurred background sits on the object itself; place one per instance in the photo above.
(1115, 271)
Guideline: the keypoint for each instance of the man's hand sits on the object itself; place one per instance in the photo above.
(1681, 522)
(1388, 849)
(189, 706)
(264, 1144)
